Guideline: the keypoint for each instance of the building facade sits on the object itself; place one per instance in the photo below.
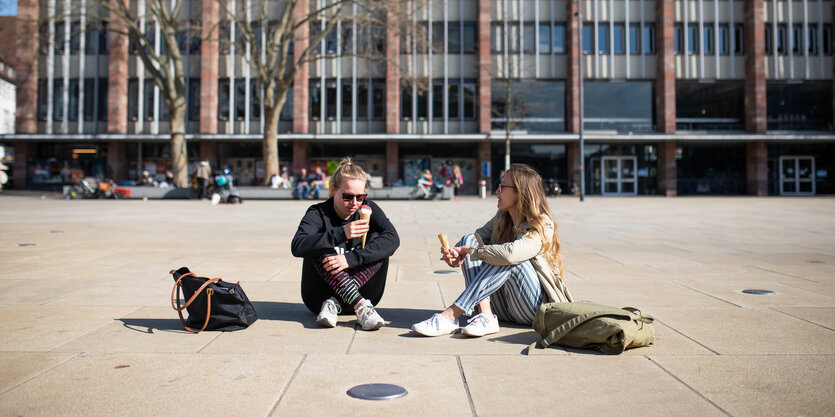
(679, 97)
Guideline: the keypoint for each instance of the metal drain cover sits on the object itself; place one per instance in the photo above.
(20, 245)
(377, 391)
(446, 272)
(758, 292)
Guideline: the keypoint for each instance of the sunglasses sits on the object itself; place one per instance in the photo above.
(505, 186)
(349, 197)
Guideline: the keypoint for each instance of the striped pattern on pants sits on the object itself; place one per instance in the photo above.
(514, 290)
(346, 283)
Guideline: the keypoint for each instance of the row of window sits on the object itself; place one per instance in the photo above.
(641, 38)
(96, 38)
(462, 104)
(95, 99)
(729, 40)
(795, 39)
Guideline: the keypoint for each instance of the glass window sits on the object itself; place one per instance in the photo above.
(496, 38)
(781, 38)
(544, 39)
(348, 100)
(634, 38)
(437, 37)
(75, 37)
(622, 106)
(707, 36)
(224, 33)
(769, 39)
(42, 99)
(739, 39)
(58, 99)
(148, 102)
(438, 100)
(470, 103)
(618, 46)
(133, 99)
(421, 37)
(804, 106)
(222, 99)
(827, 39)
(406, 102)
(692, 38)
(330, 99)
(330, 42)
(649, 39)
(724, 39)
(422, 102)
(58, 39)
(529, 38)
(513, 36)
(797, 39)
(362, 99)
(603, 39)
(454, 34)
(453, 93)
(73, 110)
(104, 39)
(315, 99)
(813, 39)
(378, 99)
(194, 100)
(89, 100)
(558, 39)
(287, 110)
(469, 45)
(102, 99)
(348, 37)
(588, 38)
(91, 41)
(532, 105)
(240, 99)
(710, 106)
(254, 99)
(677, 39)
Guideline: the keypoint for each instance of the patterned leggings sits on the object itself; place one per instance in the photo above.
(346, 283)
(514, 290)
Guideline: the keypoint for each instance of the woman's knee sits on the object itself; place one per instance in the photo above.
(468, 240)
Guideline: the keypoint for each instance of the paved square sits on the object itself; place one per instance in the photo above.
(87, 327)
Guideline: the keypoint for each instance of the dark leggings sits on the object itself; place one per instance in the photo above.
(364, 281)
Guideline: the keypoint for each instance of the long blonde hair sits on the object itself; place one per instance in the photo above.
(347, 170)
(532, 207)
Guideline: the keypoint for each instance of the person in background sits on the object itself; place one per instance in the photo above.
(302, 185)
(202, 173)
(457, 179)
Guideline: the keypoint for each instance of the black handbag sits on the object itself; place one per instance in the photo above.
(212, 304)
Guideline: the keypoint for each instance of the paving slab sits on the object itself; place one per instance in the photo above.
(760, 385)
(144, 384)
(19, 367)
(43, 328)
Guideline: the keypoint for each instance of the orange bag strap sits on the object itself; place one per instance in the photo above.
(175, 299)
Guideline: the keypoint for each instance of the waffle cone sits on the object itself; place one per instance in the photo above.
(364, 216)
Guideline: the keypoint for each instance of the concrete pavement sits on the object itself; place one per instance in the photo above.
(87, 327)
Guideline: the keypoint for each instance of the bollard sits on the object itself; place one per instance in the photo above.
(483, 191)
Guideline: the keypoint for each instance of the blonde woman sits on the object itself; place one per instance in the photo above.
(511, 264)
(339, 273)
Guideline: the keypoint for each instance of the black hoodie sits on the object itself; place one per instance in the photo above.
(321, 231)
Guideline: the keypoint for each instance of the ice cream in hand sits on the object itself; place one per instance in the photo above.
(365, 214)
(444, 241)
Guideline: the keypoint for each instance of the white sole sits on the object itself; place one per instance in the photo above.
(477, 335)
(433, 335)
(325, 323)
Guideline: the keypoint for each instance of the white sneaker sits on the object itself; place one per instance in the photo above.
(481, 325)
(368, 317)
(327, 317)
(215, 199)
(437, 325)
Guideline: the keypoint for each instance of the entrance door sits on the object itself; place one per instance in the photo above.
(620, 175)
(797, 175)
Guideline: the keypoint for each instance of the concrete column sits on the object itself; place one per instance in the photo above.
(22, 152)
(484, 101)
(392, 162)
(208, 151)
(116, 160)
(392, 74)
(757, 168)
(572, 155)
(484, 156)
(755, 100)
(26, 67)
(667, 178)
(572, 84)
(300, 84)
(665, 82)
(299, 154)
(209, 50)
(117, 82)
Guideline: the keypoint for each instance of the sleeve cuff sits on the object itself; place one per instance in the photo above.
(477, 251)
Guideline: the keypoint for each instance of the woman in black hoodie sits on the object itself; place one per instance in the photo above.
(339, 272)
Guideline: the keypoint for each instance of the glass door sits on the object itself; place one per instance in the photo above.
(797, 175)
(620, 175)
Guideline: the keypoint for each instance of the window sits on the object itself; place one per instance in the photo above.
(649, 39)
(739, 39)
(407, 94)
(469, 43)
(677, 39)
(287, 110)
(348, 100)
(781, 38)
(588, 38)
(558, 38)
(223, 99)
(454, 34)
(724, 39)
(149, 91)
(619, 42)
(57, 99)
(797, 39)
(769, 40)
(513, 37)
(438, 99)
(240, 99)
(421, 37)
(223, 34)
(150, 36)
(316, 97)
(194, 99)
(452, 100)
(534, 105)
(634, 39)
(89, 100)
(603, 39)
(544, 39)
(692, 38)
(102, 99)
(827, 39)
(529, 38)
(58, 39)
(378, 99)
(75, 37)
(707, 37)
(347, 37)
(133, 99)
(437, 37)
(469, 95)
(813, 39)
(406, 102)
(73, 110)
(254, 100)
(42, 99)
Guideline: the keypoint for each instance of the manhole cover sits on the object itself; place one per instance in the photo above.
(446, 272)
(56, 231)
(758, 292)
(377, 391)
(20, 245)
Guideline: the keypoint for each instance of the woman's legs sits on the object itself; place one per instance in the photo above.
(346, 283)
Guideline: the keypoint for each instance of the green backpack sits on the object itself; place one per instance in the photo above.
(583, 325)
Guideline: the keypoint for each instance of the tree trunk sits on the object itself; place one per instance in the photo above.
(179, 155)
(269, 143)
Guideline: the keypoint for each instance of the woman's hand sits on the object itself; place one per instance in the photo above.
(356, 228)
(454, 257)
(335, 264)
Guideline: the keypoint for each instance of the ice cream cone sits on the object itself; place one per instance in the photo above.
(444, 242)
(365, 214)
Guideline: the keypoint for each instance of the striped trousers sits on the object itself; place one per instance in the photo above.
(346, 283)
(514, 290)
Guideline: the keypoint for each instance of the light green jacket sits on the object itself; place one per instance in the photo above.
(522, 248)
